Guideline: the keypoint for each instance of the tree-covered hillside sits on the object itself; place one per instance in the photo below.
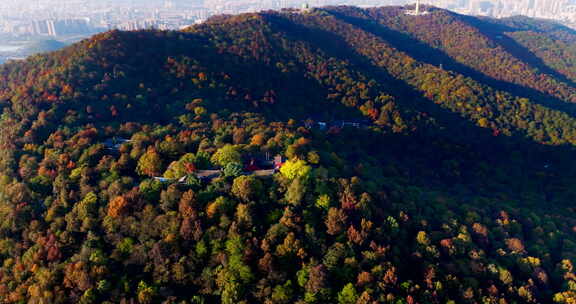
(334, 155)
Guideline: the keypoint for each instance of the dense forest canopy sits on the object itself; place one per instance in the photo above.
(332, 155)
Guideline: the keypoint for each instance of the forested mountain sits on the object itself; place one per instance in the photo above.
(334, 155)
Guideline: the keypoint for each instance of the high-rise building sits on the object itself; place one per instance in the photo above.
(51, 28)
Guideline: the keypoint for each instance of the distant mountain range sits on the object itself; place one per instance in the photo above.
(42, 46)
(22, 50)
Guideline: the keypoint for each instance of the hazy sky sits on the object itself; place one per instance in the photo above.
(554, 9)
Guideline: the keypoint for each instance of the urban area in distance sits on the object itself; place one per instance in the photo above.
(32, 26)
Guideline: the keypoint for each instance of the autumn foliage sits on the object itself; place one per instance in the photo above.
(339, 155)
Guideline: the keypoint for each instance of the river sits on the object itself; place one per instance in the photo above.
(9, 48)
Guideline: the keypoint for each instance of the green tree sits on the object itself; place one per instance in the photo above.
(323, 202)
(296, 191)
(225, 155)
(348, 295)
(88, 206)
(234, 278)
(283, 293)
(185, 165)
(246, 187)
(150, 164)
(233, 169)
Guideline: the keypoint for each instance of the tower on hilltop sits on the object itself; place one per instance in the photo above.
(417, 11)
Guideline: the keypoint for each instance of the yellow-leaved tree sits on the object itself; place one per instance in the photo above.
(295, 169)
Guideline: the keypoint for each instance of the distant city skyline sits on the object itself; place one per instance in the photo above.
(82, 17)
(68, 8)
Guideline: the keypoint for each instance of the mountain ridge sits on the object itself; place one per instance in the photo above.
(409, 170)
